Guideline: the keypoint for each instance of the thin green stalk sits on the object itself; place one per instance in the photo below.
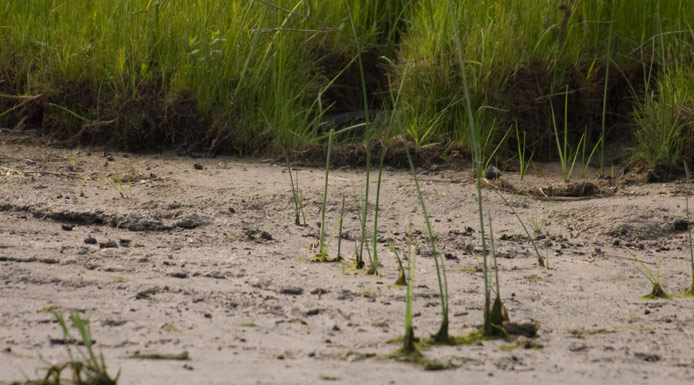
(360, 259)
(563, 149)
(442, 335)
(408, 341)
(339, 235)
(604, 94)
(322, 248)
(402, 278)
(475, 149)
(586, 163)
(374, 266)
(296, 197)
(497, 315)
(521, 153)
(384, 150)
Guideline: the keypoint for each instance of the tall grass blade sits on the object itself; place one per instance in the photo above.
(475, 151)
(442, 335)
(322, 247)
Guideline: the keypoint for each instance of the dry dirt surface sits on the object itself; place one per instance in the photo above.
(171, 254)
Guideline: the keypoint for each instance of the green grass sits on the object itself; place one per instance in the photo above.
(252, 76)
(657, 290)
(85, 367)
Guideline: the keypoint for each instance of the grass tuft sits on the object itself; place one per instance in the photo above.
(657, 290)
(85, 367)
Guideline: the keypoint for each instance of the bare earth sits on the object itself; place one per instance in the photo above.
(189, 269)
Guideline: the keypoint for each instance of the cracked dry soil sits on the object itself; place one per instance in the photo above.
(168, 254)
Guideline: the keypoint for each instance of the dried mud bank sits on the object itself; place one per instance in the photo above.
(166, 254)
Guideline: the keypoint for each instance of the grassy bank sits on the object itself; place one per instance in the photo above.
(250, 76)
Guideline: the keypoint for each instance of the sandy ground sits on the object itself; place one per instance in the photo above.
(190, 269)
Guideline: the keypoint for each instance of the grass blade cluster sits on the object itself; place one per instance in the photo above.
(84, 365)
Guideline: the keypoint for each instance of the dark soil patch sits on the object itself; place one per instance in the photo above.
(345, 94)
(354, 154)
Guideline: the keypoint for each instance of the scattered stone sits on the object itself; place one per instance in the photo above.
(67, 227)
(108, 244)
(110, 158)
(319, 291)
(450, 256)
(232, 210)
(207, 315)
(179, 274)
(266, 236)
(291, 290)
(492, 173)
(197, 166)
(124, 242)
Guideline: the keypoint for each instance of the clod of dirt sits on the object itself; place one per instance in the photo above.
(291, 290)
(266, 236)
(232, 210)
(147, 293)
(179, 274)
(680, 225)
(578, 189)
(319, 291)
(653, 177)
(492, 173)
(108, 244)
(190, 223)
(577, 347)
(113, 323)
(67, 227)
(313, 312)
(124, 242)
(648, 357)
(146, 225)
(198, 166)
(527, 329)
(90, 240)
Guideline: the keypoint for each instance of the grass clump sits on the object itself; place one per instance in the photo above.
(251, 76)
(657, 290)
(85, 367)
